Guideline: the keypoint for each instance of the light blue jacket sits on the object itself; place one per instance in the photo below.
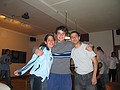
(40, 65)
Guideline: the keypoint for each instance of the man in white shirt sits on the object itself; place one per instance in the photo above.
(85, 63)
(112, 66)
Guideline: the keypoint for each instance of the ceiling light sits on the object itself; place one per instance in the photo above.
(67, 37)
(13, 20)
(2, 16)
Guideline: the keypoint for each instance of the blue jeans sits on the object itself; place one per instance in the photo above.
(6, 73)
(59, 82)
(104, 79)
(36, 83)
(84, 82)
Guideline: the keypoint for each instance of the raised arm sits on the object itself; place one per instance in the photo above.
(89, 47)
(27, 66)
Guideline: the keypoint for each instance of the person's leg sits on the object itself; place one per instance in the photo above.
(110, 72)
(8, 80)
(102, 82)
(45, 84)
(53, 82)
(2, 75)
(104, 79)
(79, 82)
(59, 82)
(88, 82)
(35, 82)
(66, 82)
(113, 75)
(91, 87)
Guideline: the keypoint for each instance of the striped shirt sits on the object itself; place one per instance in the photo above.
(61, 54)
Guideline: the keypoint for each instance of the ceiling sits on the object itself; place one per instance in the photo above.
(85, 16)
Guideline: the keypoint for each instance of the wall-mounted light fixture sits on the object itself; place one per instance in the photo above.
(12, 20)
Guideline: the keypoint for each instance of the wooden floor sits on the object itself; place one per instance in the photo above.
(20, 83)
(23, 83)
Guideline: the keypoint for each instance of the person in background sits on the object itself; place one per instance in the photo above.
(40, 65)
(112, 68)
(99, 74)
(101, 57)
(60, 76)
(101, 77)
(85, 64)
(5, 61)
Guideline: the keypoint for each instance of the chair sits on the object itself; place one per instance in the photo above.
(4, 86)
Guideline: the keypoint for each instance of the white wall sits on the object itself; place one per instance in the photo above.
(102, 39)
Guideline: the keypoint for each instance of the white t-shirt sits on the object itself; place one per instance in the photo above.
(82, 59)
(113, 62)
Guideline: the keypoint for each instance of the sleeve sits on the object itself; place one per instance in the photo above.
(91, 54)
(28, 65)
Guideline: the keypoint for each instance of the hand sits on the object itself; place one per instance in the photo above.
(39, 52)
(94, 81)
(89, 47)
(16, 73)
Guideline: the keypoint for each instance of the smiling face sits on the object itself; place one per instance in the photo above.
(50, 42)
(74, 38)
(60, 35)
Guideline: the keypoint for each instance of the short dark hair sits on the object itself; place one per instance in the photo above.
(63, 28)
(49, 34)
(75, 32)
(113, 53)
(7, 50)
(45, 39)
(99, 48)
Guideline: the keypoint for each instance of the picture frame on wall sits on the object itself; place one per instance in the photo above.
(16, 56)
